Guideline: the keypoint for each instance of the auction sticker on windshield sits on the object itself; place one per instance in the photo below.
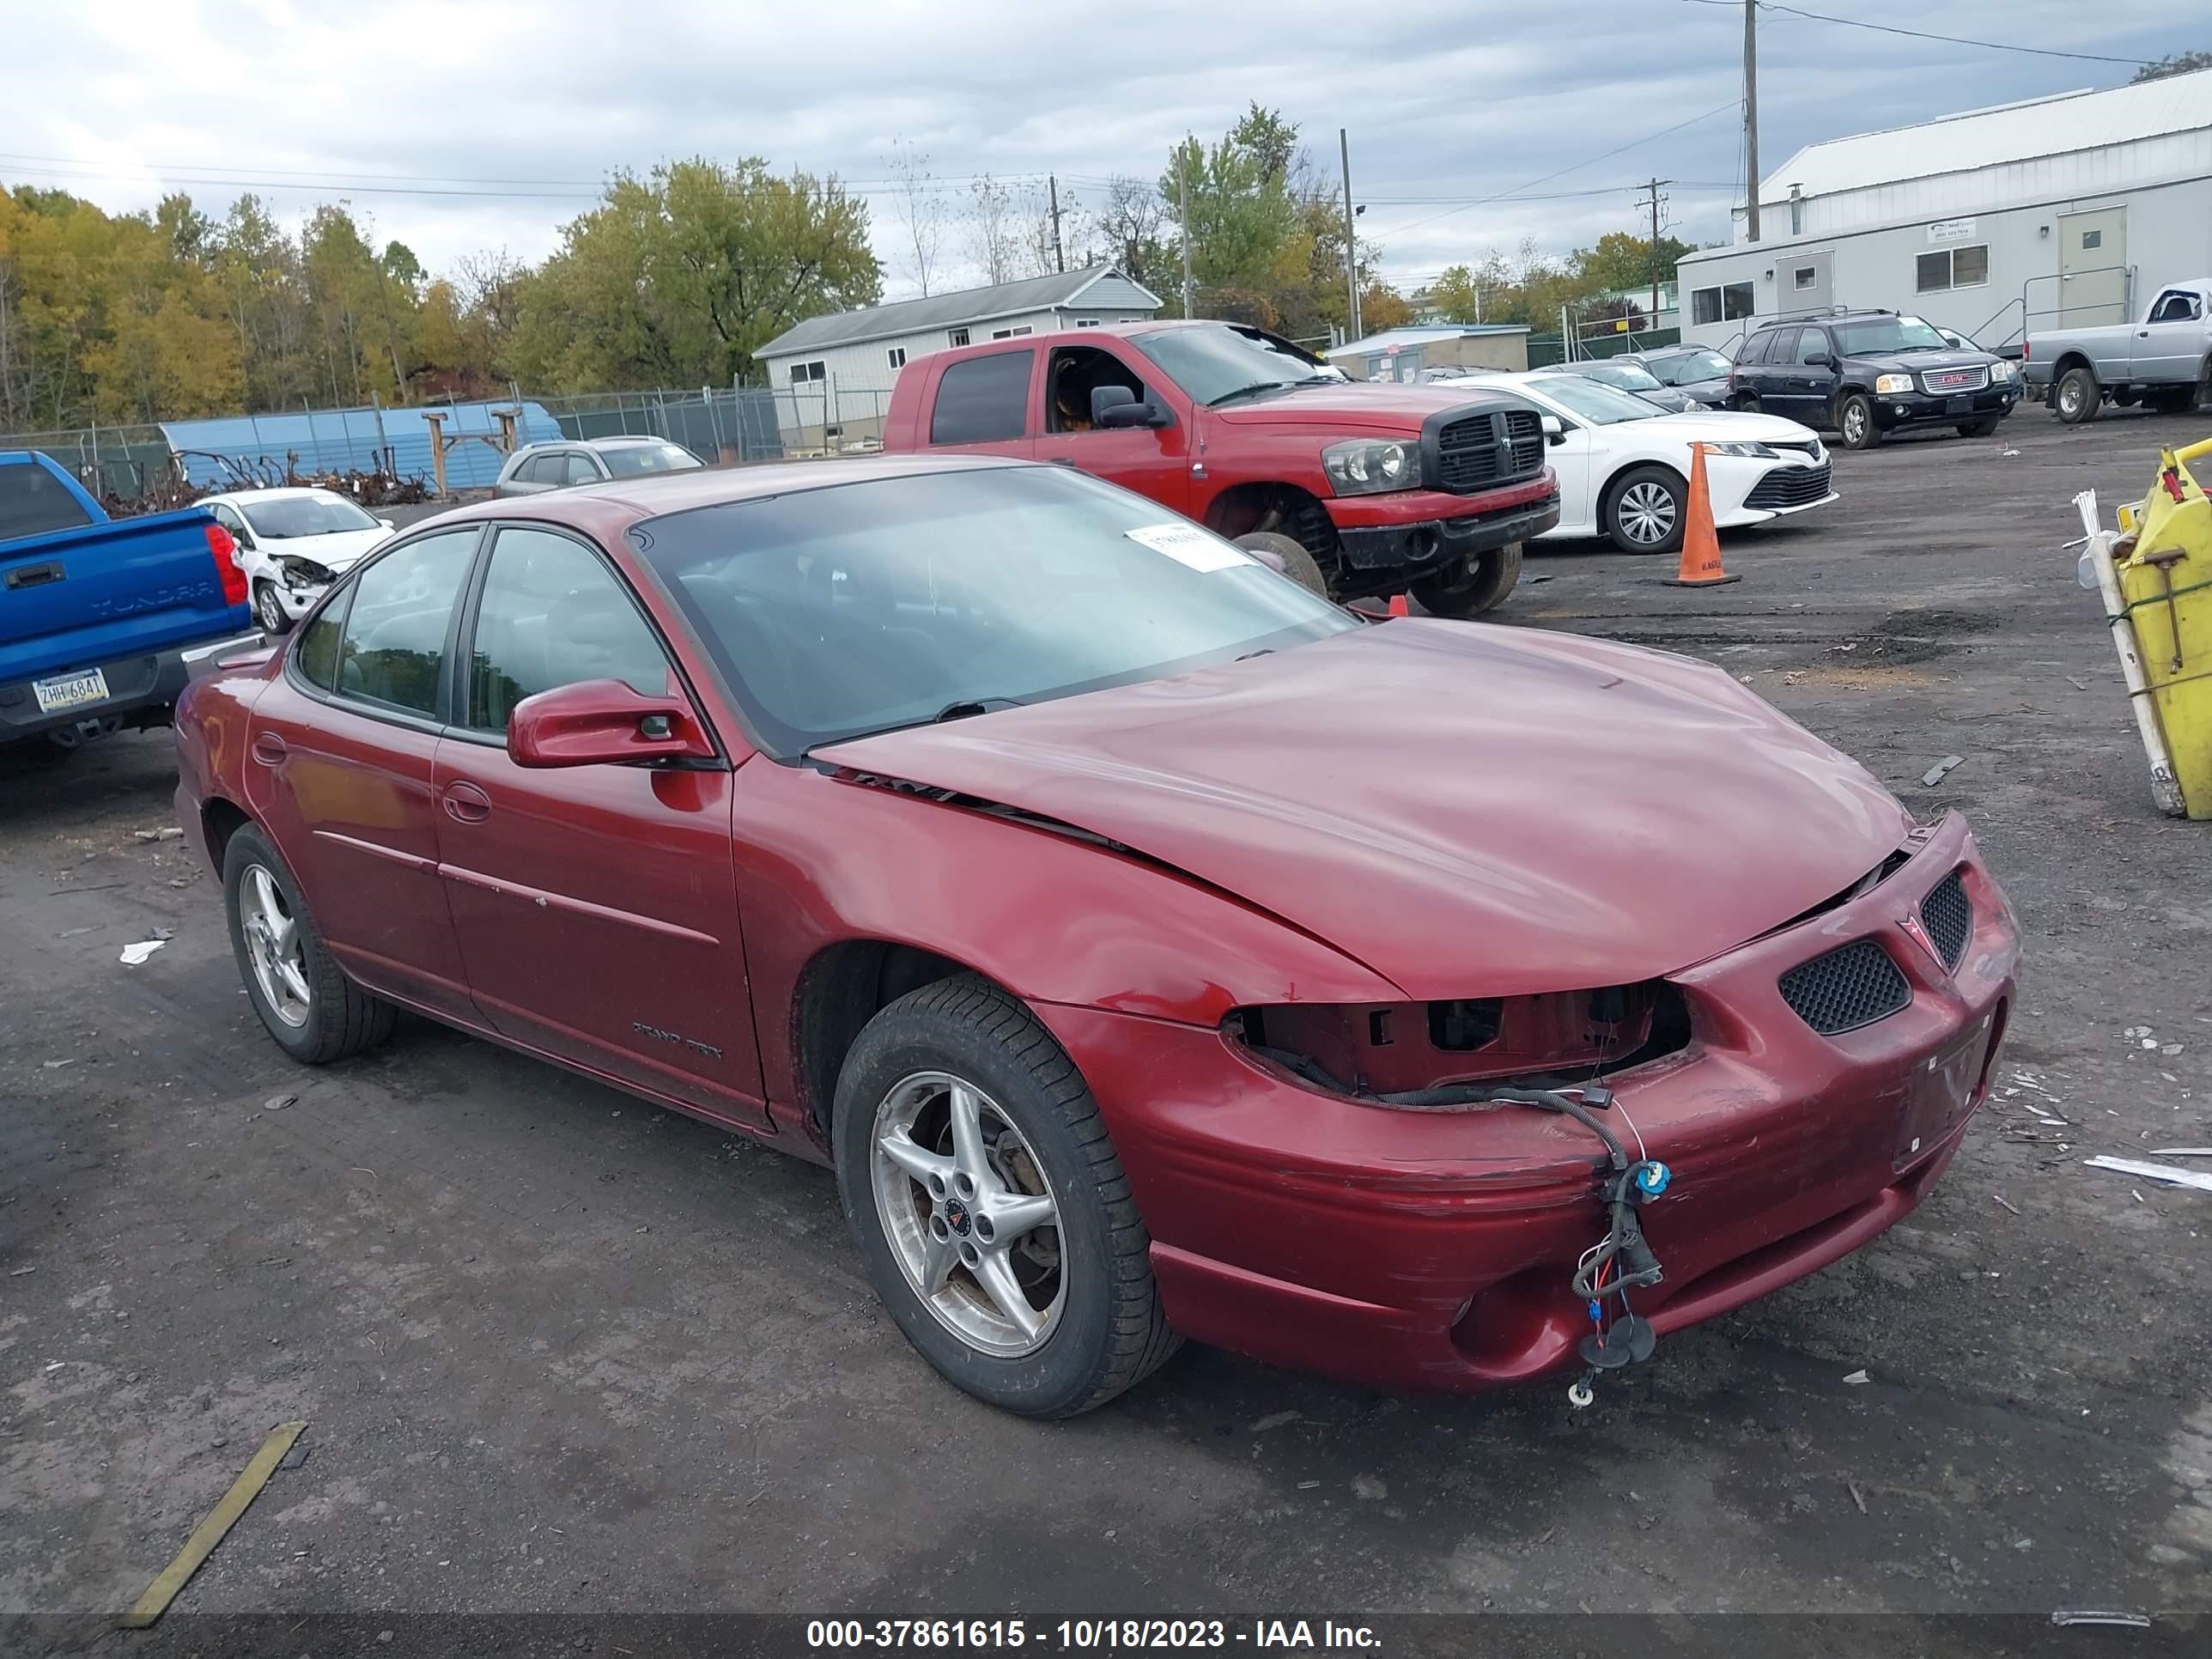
(1186, 543)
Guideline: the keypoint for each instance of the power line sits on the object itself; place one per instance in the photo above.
(1922, 35)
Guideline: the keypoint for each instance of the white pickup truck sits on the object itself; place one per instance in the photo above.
(2164, 361)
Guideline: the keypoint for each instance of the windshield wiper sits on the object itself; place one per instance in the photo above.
(1245, 391)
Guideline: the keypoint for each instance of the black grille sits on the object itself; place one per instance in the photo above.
(1948, 916)
(1788, 486)
(1477, 452)
(1846, 989)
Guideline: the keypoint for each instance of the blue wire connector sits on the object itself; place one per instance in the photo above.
(1653, 1177)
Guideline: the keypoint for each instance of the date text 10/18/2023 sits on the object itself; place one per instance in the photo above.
(1087, 1635)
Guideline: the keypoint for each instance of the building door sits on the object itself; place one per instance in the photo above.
(1805, 282)
(2093, 268)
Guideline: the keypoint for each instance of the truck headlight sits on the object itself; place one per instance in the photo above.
(1764, 452)
(1999, 370)
(1367, 466)
(1888, 384)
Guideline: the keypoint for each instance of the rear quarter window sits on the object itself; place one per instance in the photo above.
(983, 400)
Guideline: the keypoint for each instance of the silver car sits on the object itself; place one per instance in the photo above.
(536, 468)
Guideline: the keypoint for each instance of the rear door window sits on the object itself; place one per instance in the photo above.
(392, 651)
(33, 501)
(983, 400)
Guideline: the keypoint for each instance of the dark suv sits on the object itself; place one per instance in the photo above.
(1868, 374)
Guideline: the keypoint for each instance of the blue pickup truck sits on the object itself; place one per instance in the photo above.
(103, 620)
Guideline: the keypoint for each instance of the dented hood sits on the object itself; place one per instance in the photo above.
(1467, 811)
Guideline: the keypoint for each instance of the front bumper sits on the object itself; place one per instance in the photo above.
(1414, 1250)
(1419, 530)
(1894, 412)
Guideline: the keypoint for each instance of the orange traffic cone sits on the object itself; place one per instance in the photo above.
(1701, 548)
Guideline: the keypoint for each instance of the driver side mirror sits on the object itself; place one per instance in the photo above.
(1555, 432)
(1824, 361)
(1116, 406)
(601, 723)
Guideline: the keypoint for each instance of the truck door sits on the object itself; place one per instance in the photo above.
(2168, 347)
(987, 404)
(1153, 461)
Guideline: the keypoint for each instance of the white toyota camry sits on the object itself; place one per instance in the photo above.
(293, 544)
(1624, 466)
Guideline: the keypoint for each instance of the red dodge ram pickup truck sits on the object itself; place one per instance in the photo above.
(1357, 488)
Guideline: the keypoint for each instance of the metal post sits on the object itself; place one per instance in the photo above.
(1656, 183)
(1351, 237)
(1566, 337)
(97, 492)
(1751, 120)
(383, 443)
(1182, 176)
(1059, 253)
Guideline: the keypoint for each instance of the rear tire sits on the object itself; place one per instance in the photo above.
(2077, 399)
(1856, 427)
(1746, 402)
(1644, 509)
(269, 610)
(1298, 564)
(901, 1170)
(1488, 579)
(310, 1008)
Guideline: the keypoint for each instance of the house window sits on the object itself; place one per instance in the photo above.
(1951, 267)
(956, 336)
(897, 356)
(1009, 333)
(1720, 305)
(1805, 276)
(1086, 322)
(803, 372)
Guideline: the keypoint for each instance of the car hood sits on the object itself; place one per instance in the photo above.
(1381, 405)
(1467, 811)
(1920, 362)
(1722, 426)
(337, 552)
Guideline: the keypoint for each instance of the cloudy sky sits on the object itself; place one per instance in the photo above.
(460, 127)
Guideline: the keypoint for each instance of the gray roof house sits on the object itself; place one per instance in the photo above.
(862, 351)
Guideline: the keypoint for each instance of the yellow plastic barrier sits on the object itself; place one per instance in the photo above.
(2165, 589)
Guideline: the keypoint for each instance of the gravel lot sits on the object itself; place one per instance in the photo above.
(562, 1352)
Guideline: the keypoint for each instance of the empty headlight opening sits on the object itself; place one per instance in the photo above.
(1395, 1054)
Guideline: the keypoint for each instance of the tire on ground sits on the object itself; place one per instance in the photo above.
(342, 1019)
(1488, 578)
(1856, 426)
(1614, 519)
(2076, 397)
(1298, 564)
(1111, 1332)
(269, 610)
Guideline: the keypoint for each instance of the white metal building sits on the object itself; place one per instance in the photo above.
(1401, 354)
(837, 371)
(2073, 209)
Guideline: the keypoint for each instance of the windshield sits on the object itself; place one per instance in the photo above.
(1600, 405)
(635, 460)
(857, 608)
(1217, 362)
(1690, 367)
(1877, 335)
(1629, 377)
(290, 517)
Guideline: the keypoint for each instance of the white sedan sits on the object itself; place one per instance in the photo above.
(1624, 466)
(293, 544)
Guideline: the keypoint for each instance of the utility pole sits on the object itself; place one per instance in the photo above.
(1654, 188)
(1059, 253)
(1350, 240)
(1182, 179)
(1751, 120)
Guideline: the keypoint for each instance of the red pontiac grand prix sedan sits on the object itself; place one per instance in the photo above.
(1153, 948)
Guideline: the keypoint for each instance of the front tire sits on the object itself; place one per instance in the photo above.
(1488, 578)
(2076, 397)
(1855, 422)
(310, 1008)
(990, 1206)
(1644, 509)
(1298, 563)
(269, 610)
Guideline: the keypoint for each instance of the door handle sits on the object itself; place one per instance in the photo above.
(35, 575)
(268, 748)
(467, 804)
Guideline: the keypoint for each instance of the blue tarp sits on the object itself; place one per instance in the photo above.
(353, 440)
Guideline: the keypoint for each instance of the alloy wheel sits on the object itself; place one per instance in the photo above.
(274, 946)
(970, 1217)
(272, 609)
(1854, 423)
(1647, 512)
